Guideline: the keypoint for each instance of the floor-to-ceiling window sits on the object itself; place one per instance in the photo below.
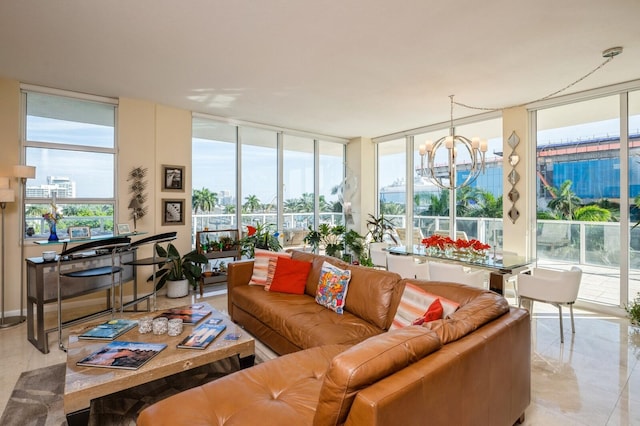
(478, 205)
(214, 198)
(312, 172)
(298, 188)
(578, 197)
(331, 172)
(633, 138)
(259, 191)
(430, 202)
(392, 185)
(71, 141)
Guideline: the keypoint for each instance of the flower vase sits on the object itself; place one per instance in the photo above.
(53, 236)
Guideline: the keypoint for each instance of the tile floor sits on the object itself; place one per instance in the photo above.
(593, 379)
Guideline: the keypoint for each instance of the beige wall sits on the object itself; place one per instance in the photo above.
(149, 135)
(10, 148)
(517, 237)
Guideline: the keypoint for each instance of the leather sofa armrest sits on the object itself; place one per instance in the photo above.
(238, 274)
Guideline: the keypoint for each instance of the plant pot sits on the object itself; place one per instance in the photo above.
(177, 289)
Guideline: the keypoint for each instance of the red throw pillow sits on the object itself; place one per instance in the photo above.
(290, 276)
(434, 312)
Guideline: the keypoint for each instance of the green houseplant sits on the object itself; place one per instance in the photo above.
(179, 269)
(633, 309)
(337, 242)
(379, 227)
(260, 236)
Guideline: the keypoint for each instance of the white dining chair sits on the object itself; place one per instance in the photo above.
(550, 286)
(453, 273)
(378, 255)
(403, 265)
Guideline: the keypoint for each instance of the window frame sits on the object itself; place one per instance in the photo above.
(25, 144)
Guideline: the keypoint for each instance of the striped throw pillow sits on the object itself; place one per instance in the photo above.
(414, 305)
(260, 274)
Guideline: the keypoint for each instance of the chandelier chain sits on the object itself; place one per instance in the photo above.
(605, 62)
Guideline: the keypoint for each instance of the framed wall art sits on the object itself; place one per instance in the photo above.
(172, 212)
(172, 178)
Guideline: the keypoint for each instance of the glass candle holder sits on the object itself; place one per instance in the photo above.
(175, 327)
(160, 325)
(145, 325)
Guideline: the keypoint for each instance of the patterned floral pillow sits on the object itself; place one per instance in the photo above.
(332, 287)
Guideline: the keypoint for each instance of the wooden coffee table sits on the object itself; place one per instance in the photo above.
(82, 384)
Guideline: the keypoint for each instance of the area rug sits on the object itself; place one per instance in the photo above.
(36, 399)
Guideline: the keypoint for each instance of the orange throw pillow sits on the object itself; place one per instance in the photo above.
(290, 276)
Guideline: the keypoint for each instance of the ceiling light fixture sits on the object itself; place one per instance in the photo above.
(448, 180)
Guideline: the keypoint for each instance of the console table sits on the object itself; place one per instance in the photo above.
(42, 289)
(497, 265)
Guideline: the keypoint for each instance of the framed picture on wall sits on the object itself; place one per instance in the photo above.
(172, 178)
(172, 212)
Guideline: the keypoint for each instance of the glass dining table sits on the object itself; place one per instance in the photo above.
(499, 265)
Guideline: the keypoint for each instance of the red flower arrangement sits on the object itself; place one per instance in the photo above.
(444, 243)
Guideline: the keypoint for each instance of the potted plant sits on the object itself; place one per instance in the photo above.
(259, 236)
(633, 309)
(337, 242)
(178, 272)
(379, 228)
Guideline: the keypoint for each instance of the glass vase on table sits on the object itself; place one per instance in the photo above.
(53, 236)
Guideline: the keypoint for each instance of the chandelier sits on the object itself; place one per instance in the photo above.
(448, 180)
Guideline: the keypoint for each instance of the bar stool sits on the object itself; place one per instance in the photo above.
(152, 261)
(110, 245)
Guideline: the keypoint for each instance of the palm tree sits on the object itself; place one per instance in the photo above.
(465, 198)
(439, 204)
(204, 200)
(251, 204)
(564, 201)
(487, 205)
(391, 208)
(592, 214)
(290, 205)
(306, 202)
(324, 204)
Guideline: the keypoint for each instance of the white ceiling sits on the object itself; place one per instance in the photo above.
(337, 67)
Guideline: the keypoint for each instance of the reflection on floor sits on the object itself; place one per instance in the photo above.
(593, 379)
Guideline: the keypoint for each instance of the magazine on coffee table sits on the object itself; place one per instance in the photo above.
(127, 355)
(191, 314)
(109, 330)
(203, 335)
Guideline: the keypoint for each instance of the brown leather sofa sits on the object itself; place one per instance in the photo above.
(472, 368)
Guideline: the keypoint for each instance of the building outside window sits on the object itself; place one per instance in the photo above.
(70, 139)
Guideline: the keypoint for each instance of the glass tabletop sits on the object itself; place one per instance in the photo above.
(498, 261)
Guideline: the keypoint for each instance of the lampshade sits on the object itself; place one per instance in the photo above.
(7, 196)
(28, 172)
(4, 182)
